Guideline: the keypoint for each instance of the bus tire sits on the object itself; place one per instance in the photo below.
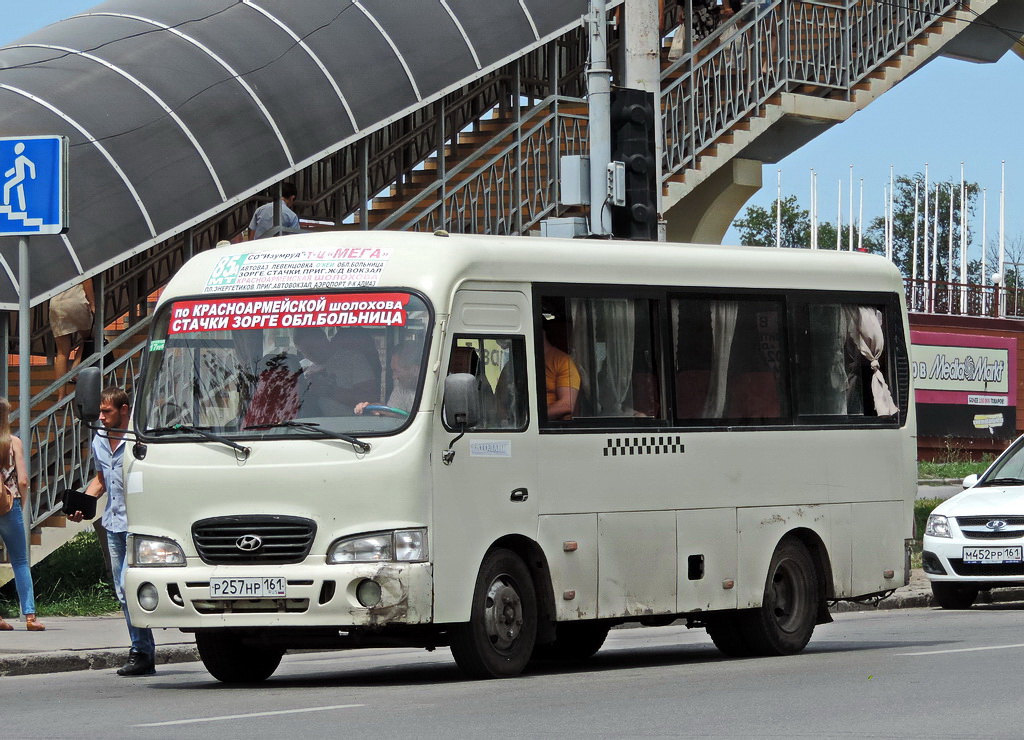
(954, 595)
(498, 639)
(728, 631)
(575, 641)
(230, 660)
(788, 613)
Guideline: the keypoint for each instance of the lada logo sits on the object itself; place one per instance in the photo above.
(995, 524)
(249, 542)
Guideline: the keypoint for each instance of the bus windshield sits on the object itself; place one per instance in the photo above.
(285, 365)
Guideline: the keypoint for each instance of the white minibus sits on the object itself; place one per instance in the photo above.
(509, 445)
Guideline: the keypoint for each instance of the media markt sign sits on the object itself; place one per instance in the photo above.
(33, 185)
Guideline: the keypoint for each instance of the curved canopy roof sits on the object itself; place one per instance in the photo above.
(177, 110)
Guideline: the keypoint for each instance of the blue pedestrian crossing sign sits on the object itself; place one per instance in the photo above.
(33, 185)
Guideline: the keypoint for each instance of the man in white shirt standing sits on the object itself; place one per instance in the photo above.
(262, 222)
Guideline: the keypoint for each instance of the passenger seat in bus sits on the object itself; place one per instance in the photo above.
(753, 395)
(275, 397)
(466, 360)
(691, 393)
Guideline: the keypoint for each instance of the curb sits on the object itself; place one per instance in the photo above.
(940, 481)
(74, 660)
(925, 600)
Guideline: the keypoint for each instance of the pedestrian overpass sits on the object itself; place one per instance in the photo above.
(183, 117)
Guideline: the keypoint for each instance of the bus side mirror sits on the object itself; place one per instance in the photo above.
(462, 400)
(87, 395)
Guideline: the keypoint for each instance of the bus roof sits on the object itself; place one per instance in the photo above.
(436, 263)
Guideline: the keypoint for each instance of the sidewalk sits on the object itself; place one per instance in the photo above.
(101, 643)
(80, 643)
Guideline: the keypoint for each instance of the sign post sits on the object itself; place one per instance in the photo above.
(33, 200)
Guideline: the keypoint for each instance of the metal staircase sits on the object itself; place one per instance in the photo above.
(484, 159)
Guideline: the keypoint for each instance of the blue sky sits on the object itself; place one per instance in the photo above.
(949, 111)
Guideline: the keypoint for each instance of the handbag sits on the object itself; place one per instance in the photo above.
(9, 489)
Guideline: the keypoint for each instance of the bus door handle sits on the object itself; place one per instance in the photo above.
(519, 494)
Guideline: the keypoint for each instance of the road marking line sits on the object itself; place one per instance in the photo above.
(246, 716)
(966, 650)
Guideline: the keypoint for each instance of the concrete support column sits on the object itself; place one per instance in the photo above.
(706, 213)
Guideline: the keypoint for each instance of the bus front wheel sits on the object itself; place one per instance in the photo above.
(498, 639)
(228, 659)
(785, 621)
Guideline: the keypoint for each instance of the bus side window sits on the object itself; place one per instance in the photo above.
(729, 360)
(842, 353)
(498, 363)
(603, 350)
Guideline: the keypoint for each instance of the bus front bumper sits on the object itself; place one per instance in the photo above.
(314, 595)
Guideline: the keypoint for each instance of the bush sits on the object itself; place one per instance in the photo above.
(72, 580)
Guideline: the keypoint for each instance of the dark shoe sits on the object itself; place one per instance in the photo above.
(137, 665)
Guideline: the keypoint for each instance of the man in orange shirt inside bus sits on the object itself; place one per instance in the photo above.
(561, 381)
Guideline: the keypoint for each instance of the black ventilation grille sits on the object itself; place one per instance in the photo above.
(265, 540)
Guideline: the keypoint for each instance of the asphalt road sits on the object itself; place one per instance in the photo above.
(908, 673)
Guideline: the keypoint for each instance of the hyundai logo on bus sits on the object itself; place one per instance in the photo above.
(249, 542)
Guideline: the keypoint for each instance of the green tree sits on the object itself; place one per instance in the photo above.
(758, 225)
(938, 240)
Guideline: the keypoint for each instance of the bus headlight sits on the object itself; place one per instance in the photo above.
(150, 551)
(937, 526)
(403, 545)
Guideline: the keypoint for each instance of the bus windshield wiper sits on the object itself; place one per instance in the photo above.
(1004, 482)
(202, 432)
(312, 426)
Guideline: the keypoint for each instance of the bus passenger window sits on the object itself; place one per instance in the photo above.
(729, 360)
(842, 369)
(498, 363)
(599, 358)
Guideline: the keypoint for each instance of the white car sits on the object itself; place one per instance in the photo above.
(975, 539)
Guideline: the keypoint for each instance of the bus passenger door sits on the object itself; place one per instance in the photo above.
(486, 490)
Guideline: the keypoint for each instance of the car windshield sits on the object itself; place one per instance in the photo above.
(1009, 471)
(313, 365)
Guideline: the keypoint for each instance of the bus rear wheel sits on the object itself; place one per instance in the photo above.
(499, 637)
(788, 613)
(230, 660)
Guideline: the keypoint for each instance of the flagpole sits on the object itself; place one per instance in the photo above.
(924, 250)
(1002, 238)
(839, 219)
(778, 212)
(860, 219)
(913, 247)
(850, 240)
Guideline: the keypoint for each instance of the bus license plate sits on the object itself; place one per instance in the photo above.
(990, 555)
(247, 588)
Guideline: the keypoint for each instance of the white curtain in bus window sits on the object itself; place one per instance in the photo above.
(611, 343)
(728, 360)
(840, 370)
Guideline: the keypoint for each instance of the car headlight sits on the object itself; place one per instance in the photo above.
(938, 526)
(404, 545)
(150, 551)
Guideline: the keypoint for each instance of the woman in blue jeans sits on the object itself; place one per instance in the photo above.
(12, 526)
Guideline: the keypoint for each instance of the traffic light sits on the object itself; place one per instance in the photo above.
(632, 130)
